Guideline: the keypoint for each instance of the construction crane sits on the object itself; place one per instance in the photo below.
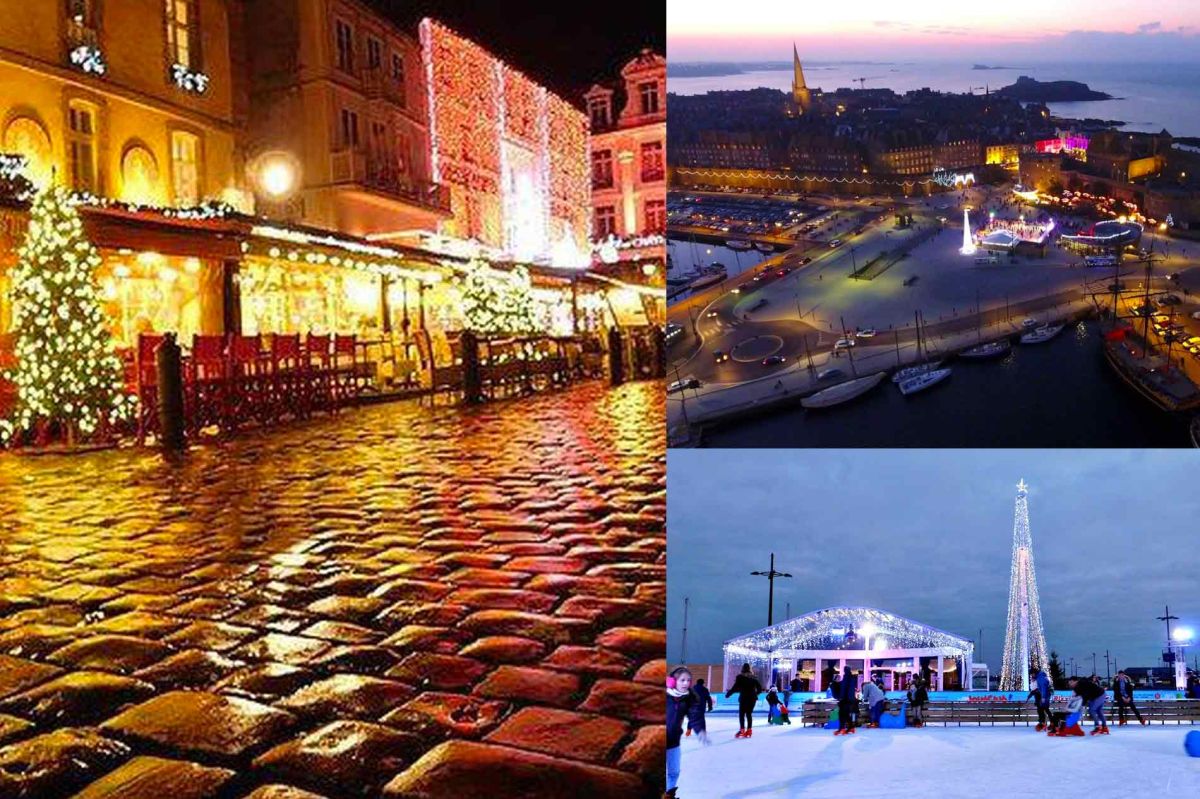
(862, 82)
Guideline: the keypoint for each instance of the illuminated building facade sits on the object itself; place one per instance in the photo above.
(338, 90)
(513, 154)
(801, 97)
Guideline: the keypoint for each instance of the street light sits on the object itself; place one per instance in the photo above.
(276, 174)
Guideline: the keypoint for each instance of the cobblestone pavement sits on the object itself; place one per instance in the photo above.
(400, 602)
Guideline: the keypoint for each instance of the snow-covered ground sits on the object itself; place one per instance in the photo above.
(976, 762)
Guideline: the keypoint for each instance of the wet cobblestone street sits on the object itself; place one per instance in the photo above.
(399, 601)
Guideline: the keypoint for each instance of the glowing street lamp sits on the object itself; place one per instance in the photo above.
(1183, 635)
(277, 175)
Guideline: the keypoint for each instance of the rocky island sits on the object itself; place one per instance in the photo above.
(1053, 91)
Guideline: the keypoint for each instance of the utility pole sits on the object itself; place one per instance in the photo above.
(1167, 617)
(683, 647)
(849, 346)
(770, 575)
(1093, 663)
(1107, 667)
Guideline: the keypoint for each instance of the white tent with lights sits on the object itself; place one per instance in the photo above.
(867, 640)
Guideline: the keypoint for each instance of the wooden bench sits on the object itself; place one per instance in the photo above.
(1156, 711)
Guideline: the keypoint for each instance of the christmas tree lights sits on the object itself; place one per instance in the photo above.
(1024, 641)
(69, 379)
(498, 303)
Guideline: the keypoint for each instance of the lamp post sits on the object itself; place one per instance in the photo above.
(1183, 636)
(771, 574)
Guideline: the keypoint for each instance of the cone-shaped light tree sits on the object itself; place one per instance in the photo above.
(69, 379)
(495, 302)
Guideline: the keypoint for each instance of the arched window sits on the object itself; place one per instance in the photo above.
(139, 175)
(26, 136)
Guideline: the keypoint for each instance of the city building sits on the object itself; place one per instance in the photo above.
(337, 135)
(131, 103)
(513, 154)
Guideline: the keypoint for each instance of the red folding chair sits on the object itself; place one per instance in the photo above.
(8, 362)
(319, 362)
(145, 383)
(206, 379)
(345, 369)
(289, 385)
(249, 387)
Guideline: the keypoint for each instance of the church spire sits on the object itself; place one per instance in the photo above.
(800, 94)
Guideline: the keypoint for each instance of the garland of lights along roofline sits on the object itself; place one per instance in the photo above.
(68, 376)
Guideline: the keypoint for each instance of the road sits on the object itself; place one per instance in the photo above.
(397, 601)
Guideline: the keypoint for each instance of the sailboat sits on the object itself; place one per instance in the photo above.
(909, 372)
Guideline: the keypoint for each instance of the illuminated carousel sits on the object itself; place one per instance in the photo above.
(816, 645)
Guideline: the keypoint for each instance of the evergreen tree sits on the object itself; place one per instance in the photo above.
(1057, 678)
(69, 379)
(498, 303)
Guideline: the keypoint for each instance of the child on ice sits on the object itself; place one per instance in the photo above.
(872, 694)
(682, 702)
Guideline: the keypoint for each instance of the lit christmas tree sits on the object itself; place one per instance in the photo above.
(1024, 641)
(69, 379)
(498, 303)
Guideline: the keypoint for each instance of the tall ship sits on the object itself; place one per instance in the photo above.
(1145, 357)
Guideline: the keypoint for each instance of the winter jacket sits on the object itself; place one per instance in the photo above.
(688, 706)
(772, 698)
(796, 686)
(747, 688)
(1043, 689)
(1074, 705)
(706, 699)
(1088, 690)
(1123, 689)
(834, 690)
(920, 695)
(872, 694)
(849, 690)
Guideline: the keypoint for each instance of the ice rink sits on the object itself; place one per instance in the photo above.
(977, 762)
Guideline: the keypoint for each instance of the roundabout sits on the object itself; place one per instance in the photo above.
(756, 348)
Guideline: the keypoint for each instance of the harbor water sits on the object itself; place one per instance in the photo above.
(1058, 394)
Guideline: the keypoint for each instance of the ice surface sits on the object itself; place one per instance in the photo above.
(976, 762)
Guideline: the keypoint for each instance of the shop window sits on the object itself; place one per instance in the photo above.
(183, 33)
(648, 93)
(602, 169)
(345, 46)
(81, 146)
(605, 222)
(284, 297)
(153, 293)
(185, 167)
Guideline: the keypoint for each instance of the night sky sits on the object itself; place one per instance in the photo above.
(927, 534)
(566, 48)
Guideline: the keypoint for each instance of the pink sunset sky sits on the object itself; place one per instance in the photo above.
(1093, 30)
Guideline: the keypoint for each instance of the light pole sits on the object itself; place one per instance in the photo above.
(771, 575)
(1183, 636)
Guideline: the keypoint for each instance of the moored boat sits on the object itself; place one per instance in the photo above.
(1041, 334)
(909, 372)
(992, 349)
(707, 280)
(738, 244)
(923, 381)
(764, 247)
(843, 392)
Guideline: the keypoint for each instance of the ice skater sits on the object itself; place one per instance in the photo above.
(875, 699)
(1041, 694)
(1123, 693)
(682, 702)
(747, 687)
(1093, 696)
(918, 697)
(706, 701)
(847, 704)
(1065, 723)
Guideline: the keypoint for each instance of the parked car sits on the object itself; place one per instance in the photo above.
(771, 360)
(833, 245)
(806, 260)
(681, 385)
(843, 344)
(865, 332)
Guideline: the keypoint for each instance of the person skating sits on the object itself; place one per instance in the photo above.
(873, 695)
(1123, 693)
(918, 697)
(747, 687)
(1041, 694)
(847, 704)
(772, 705)
(1065, 723)
(706, 701)
(682, 702)
(794, 687)
(1093, 696)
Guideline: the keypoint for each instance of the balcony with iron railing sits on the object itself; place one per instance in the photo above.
(83, 46)
(357, 167)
